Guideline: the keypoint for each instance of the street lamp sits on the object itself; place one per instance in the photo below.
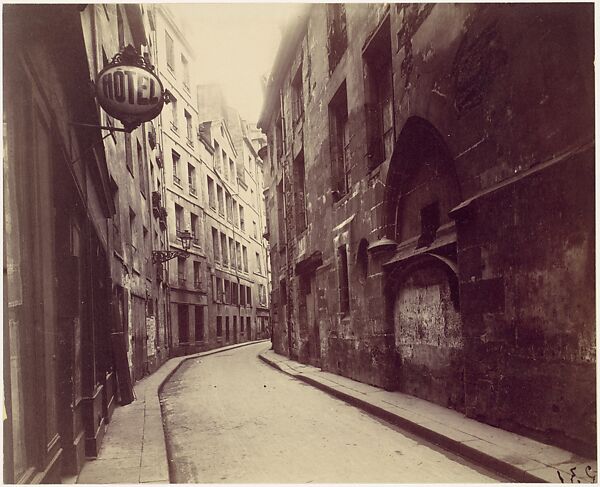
(160, 256)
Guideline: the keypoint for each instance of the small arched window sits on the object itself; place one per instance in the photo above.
(362, 261)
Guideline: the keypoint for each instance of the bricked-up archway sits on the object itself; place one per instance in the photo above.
(422, 299)
(428, 334)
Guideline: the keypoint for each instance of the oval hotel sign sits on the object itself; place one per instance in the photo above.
(129, 92)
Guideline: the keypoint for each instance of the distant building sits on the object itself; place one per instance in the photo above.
(213, 183)
(235, 223)
(430, 202)
(177, 129)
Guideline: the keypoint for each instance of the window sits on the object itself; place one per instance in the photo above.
(258, 264)
(189, 127)
(219, 293)
(362, 261)
(299, 196)
(197, 278)
(379, 89)
(225, 253)
(146, 250)
(195, 229)
(128, 155)
(132, 230)
(242, 295)
(181, 278)
(344, 291)
(223, 164)
(235, 329)
(228, 206)
(245, 257)
(297, 96)
(184, 324)
(232, 253)
(215, 239)
(216, 157)
(430, 222)
(178, 219)
(262, 295)
(219, 327)
(227, 328)
(211, 192)
(279, 132)
(242, 224)
(227, 291)
(238, 253)
(199, 324)
(234, 293)
(174, 117)
(186, 72)
(232, 170)
(141, 169)
(338, 140)
(236, 214)
(176, 178)
(220, 200)
(249, 327)
(249, 295)
(170, 51)
(337, 40)
(280, 216)
(192, 180)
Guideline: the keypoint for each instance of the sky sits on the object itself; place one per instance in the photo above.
(235, 46)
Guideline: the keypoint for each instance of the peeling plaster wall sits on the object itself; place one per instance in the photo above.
(429, 338)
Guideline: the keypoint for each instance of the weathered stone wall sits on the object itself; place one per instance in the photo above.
(526, 257)
(502, 90)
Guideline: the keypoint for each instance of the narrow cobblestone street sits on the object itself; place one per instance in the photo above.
(231, 418)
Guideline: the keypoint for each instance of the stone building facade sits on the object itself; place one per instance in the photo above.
(177, 129)
(234, 223)
(212, 185)
(430, 201)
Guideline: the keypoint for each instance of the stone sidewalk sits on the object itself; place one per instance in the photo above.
(513, 456)
(134, 449)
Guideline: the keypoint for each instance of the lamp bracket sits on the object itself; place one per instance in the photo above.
(161, 256)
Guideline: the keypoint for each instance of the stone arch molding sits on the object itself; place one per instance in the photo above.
(421, 170)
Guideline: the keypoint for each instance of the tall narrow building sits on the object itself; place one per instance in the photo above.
(234, 223)
(177, 129)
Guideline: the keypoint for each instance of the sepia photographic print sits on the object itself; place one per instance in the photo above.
(299, 243)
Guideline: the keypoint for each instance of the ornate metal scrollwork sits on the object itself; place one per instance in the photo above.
(161, 256)
(131, 57)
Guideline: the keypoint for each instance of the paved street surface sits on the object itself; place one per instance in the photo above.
(231, 418)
